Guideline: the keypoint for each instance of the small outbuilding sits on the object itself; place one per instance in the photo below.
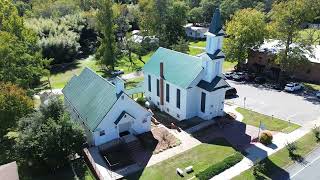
(103, 108)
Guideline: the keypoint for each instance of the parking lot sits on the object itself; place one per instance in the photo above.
(301, 107)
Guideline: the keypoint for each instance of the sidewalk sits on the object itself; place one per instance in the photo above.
(258, 151)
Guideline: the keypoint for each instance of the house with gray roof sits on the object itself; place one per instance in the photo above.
(102, 107)
(186, 86)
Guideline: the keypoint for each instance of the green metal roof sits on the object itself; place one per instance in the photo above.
(91, 95)
(179, 69)
(137, 89)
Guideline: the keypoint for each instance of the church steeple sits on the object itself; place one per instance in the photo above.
(215, 34)
(216, 24)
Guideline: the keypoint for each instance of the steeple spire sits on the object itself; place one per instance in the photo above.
(216, 24)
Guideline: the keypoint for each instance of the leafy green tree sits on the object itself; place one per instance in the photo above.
(246, 30)
(106, 51)
(14, 104)
(208, 8)
(195, 15)
(181, 46)
(47, 139)
(20, 58)
(287, 18)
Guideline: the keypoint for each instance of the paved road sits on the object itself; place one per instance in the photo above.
(309, 170)
(299, 108)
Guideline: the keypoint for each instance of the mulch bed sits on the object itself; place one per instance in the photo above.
(158, 140)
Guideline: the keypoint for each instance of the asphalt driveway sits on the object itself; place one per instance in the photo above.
(302, 108)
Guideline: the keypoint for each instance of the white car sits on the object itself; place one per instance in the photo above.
(318, 94)
(291, 87)
(228, 75)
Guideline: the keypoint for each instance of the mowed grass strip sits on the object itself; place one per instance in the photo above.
(278, 161)
(200, 157)
(273, 124)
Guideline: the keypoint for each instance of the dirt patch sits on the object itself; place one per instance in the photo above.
(158, 140)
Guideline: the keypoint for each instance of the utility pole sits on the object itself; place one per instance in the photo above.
(244, 102)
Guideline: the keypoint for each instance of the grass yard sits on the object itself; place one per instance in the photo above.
(198, 43)
(200, 157)
(125, 65)
(59, 79)
(273, 124)
(315, 87)
(281, 159)
(195, 51)
(228, 66)
(133, 82)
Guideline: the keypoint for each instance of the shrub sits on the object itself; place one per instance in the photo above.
(316, 132)
(266, 138)
(259, 168)
(291, 147)
(219, 167)
(141, 101)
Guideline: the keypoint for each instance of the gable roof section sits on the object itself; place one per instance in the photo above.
(9, 171)
(179, 69)
(91, 95)
(121, 116)
(216, 24)
(215, 84)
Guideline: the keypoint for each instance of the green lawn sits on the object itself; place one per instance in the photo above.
(198, 43)
(133, 82)
(59, 80)
(281, 159)
(195, 51)
(273, 124)
(200, 157)
(311, 86)
(228, 66)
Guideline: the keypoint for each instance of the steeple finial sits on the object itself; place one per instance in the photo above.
(216, 24)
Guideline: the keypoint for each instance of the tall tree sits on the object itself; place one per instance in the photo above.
(106, 52)
(245, 30)
(287, 18)
(14, 103)
(20, 58)
(47, 139)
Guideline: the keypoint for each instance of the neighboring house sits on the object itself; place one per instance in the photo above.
(186, 86)
(195, 32)
(138, 38)
(262, 60)
(9, 171)
(103, 109)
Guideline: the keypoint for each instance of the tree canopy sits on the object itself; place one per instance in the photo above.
(245, 30)
(47, 138)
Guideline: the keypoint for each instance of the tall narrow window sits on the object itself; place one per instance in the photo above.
(203, 102)
(178, 98)
(149, 83)
(167, 92)
(158, 89)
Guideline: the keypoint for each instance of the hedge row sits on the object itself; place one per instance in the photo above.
(219, 167)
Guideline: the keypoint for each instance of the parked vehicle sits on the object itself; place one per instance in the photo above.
(228, 75)
(250, 77)
(291, 87)
(277, 87)
(318, 94)
(231, 92)
(260, 80)
(117, 72)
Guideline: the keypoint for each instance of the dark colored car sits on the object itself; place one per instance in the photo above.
(231, 92)
(260, 80)
(117, 72)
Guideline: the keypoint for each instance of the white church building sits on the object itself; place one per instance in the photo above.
(102, 107)
(186, 86)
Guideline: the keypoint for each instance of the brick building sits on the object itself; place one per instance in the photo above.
(262, 60)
